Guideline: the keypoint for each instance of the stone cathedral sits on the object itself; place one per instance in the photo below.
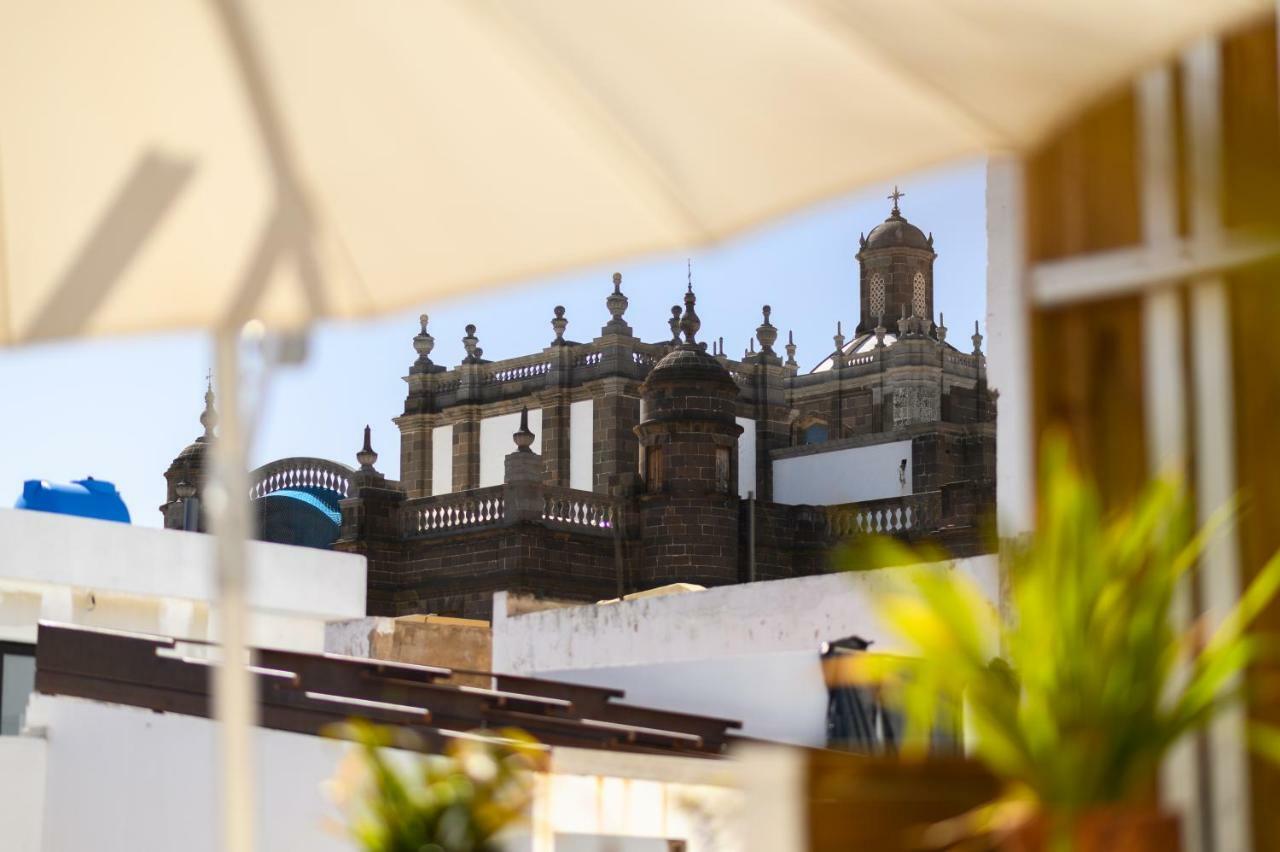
(594, 469)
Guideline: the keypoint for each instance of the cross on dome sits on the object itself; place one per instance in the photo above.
(894, 196)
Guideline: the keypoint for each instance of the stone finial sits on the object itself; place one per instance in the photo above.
(689, 323)
(423, 343)
(751, 349)
(522, 436)
(185, 490)
(674, 322)
(208, 417)
(942, 328)
(837, 358)
(904, 323)
(367, 457)
(791, 350)
(977, 339)
(720, 348)
(470, 344)
(766, 333)
(880, 331)
(559, 324)
(617, 304)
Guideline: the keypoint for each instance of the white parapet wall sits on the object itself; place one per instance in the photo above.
(103, 574)
(130, 779)
(833, 477)
(22, 791)
(748, 652)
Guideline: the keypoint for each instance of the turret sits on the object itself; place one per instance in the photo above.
(689, 463)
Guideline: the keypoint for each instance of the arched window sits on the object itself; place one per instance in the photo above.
(876, 294)
(918, 302)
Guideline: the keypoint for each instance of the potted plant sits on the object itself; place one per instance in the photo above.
(1092, 681)
(459, 801)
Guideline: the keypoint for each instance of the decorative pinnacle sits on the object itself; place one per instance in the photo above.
(838, 356)
(617, 303)
(367, 457)
(674, 323)
(208, 417)
(185, 490)
(689, 323)
(904, 324)
(895, 195)
(880, 330)
(977, 339)
(559, 324)
(423, 343)
(469, 343)
(689, 263)
(765, 332)
(522, 436)
(942, 327)
(791, 350)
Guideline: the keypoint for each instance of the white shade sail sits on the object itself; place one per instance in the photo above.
(441, 146)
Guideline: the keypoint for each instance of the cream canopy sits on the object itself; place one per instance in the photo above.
(149, 165)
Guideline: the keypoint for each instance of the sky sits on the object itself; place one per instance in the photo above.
(121, 409)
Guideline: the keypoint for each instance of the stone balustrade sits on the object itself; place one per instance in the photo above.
(447, 514)
(909, 516)
(579, 510)
(299, 472)
(500, 505)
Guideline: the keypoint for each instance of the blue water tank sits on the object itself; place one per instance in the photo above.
(87, 498)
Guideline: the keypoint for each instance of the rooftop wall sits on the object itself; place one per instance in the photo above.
(99, 573)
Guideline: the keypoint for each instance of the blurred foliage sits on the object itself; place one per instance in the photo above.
(1078, 690)
(456, 802)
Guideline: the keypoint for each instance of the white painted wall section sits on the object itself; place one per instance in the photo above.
(496, 443)
(844, 476)
(442, 460)
(749, 652)
(746, 456)
(126, 779)
(102, 574)
(797, 614)
(22, 786)
(778, 696)
(582, 444)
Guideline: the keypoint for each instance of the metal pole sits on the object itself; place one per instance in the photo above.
(234, 698)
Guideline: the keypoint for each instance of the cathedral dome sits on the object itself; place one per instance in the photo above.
(897, 232)
(689, 364)
(196, 449)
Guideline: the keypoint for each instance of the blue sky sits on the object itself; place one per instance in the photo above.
(122, 409)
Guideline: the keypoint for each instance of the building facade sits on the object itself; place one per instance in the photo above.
(593, 469)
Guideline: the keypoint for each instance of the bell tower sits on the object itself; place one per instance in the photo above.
(895, 264)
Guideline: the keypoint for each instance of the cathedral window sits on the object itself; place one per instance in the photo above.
(918, 303)
(653, 470)
(876, 297)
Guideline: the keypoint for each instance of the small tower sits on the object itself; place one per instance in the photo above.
(895, 264)
(187, 472)
(689, 461)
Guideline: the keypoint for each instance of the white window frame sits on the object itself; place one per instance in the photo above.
(1159, 269)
